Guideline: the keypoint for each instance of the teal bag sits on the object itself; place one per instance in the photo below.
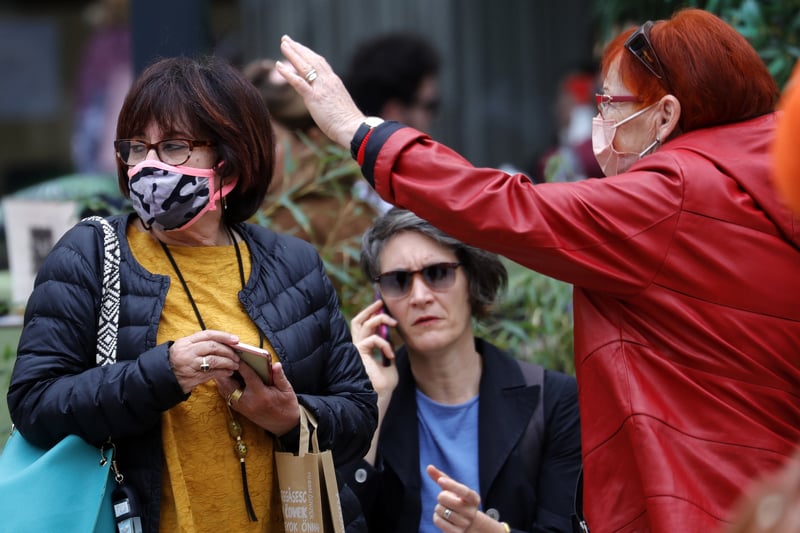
(65, 488)
(68, 487)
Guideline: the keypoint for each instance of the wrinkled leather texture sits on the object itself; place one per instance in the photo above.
(686, 306)
(56, 389)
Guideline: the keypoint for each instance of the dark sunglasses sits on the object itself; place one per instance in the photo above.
(397, 283)
(640, 46)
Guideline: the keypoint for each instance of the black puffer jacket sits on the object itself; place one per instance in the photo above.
(56, 388)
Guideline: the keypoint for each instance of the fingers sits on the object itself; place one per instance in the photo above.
(274, 408)
(203, 356)
(457, 504)
(279, 379)
(301, 62)
(368, 321)
(323, 92)
(369, 311)
(302, 58)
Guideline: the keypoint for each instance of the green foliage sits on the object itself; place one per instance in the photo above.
(771, 27)
(533, 319)
(335, 173)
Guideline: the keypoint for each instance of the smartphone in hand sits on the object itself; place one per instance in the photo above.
(259, 360)
(383, 332)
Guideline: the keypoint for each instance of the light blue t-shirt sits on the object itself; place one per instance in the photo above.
(448, 440)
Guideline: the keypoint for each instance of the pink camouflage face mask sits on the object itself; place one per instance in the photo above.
(173, 198)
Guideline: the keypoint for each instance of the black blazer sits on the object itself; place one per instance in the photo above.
(390, 492)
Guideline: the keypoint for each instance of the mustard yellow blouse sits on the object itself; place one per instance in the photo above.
(201, 476)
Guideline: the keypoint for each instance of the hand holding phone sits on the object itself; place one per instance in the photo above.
(259, 360)
(383, 332)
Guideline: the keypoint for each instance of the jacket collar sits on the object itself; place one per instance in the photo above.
(504, 410)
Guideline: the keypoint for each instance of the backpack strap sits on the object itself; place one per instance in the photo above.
(108, 322)
(532, 439)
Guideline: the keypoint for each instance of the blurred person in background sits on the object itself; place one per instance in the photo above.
(311, 195)
(572, 158)
(104, 76)
(683, 260)
(396, 76)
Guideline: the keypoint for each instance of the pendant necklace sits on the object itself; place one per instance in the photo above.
(234, 428)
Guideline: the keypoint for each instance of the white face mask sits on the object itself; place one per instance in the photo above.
(610, 160)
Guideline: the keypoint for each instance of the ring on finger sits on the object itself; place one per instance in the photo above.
(447, 513)
(234, 396)
(204, 366)
(311, 75)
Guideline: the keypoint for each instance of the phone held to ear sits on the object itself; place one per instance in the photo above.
(259, 360)
(383, 332)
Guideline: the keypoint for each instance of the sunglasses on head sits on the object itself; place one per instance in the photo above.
(396, 283)
(640, 46)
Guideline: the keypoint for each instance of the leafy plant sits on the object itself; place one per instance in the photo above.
(332, 176)
(533, 319)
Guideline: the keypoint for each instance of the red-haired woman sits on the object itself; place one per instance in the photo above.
(684, 262)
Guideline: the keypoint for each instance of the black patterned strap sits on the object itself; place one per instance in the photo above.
(108, 323)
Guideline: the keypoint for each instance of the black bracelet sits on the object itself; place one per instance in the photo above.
(358, 138)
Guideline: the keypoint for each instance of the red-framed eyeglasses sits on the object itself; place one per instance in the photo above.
(603, 100)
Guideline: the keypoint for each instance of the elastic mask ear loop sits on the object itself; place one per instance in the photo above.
(223, 192)
(650, 147)
(638, 113)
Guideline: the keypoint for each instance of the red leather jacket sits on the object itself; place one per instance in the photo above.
(687, 308)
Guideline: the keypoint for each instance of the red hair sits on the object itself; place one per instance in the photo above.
(709, 67)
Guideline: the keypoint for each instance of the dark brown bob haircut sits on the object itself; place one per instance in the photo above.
(206, 99)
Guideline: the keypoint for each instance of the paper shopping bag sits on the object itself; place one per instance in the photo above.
(307, 481)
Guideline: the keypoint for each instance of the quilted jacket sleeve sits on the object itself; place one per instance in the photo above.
(294, 303)
(56, 388)
(347, 405)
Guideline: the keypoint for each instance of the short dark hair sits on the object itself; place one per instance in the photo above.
(389, 67)
(486, 274)
(211, 99)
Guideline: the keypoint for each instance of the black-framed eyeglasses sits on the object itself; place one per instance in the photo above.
(170, 151)
(397, 283)
(604, 100)
(640, 46)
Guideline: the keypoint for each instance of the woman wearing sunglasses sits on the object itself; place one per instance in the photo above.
(684, 262)
(466, 441)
